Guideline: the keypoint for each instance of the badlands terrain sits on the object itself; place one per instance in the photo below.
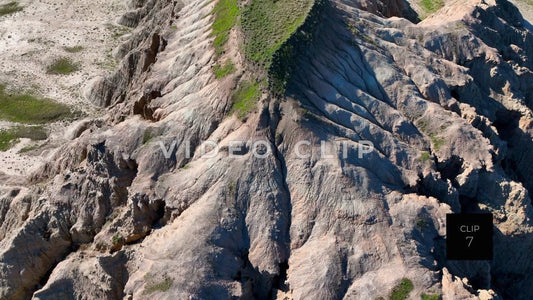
(107, 109)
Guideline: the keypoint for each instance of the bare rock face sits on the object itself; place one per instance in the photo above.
(446, 103)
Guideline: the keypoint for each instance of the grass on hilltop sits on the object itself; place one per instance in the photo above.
(9, 137)
(10, 8)
(226, 13)
(62, 66)
(245, 98)
(267, 24)
(431, 6)
(26, 108)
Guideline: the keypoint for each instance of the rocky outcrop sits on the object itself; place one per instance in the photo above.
(444, 102)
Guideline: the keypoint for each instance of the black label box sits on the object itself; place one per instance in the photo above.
(469, 236)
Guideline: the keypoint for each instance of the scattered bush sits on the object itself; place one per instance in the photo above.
(226, 13)
(161, 286)
(29, 148)
(437, 141)
(232, 188)
(62, 66)
(26, 108)
(430, 297)
(421, 223)
(245, 98)
(402, 290)
(150, 133)
(117, 239)
(224, 70)
(423, 125)
(424, 156)
(10, 8)
(7, 140)
(74, 49)
(117, 31)
(9, 137)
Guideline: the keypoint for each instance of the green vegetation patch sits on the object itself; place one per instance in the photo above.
(430, 297)
(226, 13)
(223, 70)
(421, 223)
(30, 148)
(245, 98)
(353, 28)
(150, 134)
(26, 108)
(431, 6)
(74, 49)
(10, 8)
(9, 137)
(267, 24)
(63, 66)
(161, 286)
(117, 31)
(7, 140)
(438, 142)
(402, 290)
(425, 156)
(117, 239)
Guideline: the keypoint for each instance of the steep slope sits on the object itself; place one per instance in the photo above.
(445, 102)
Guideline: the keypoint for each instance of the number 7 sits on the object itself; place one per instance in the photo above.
(470, 239)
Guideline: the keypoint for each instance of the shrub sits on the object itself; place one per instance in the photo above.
(421, 223)
(10, 8)
(149, 134)
(74, 49)
(424, 156)
(62, 66)
(437, 141)
(430, 297)
(161, 286)
(26, 108)
(117, 31)
(402, 290)
(245, 98)
(232, 188)
(117, 239)
(423, 125)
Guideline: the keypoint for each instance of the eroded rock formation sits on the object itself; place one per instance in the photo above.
(446, 102)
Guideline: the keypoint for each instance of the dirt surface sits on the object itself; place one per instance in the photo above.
(30, 40)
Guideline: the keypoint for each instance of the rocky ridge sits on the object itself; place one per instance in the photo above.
(445, 101)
